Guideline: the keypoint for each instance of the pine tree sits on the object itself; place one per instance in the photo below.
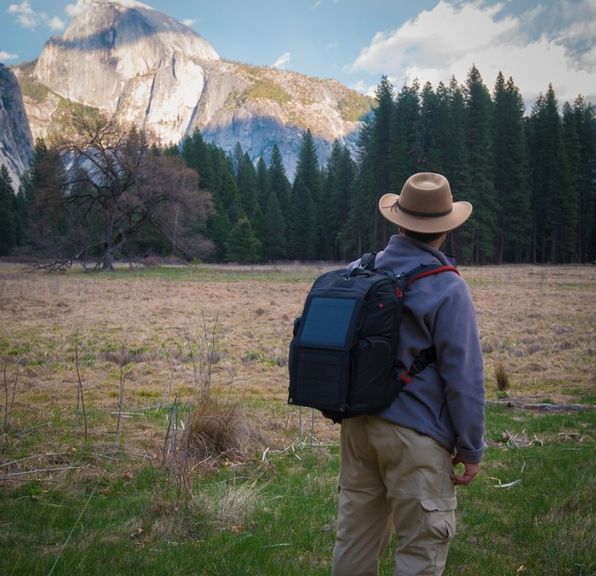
(511, 172)
(546, 172)
(571, 185)
(218, 230)
(262, 183)
(247, 186)
(275, 236)
(45, 221)
(196, 153)
(406, 142)
(303, 222)
(457, 168)
(8, 228)
(481, 231)
(434, 119)
(278, 181)
(241, 245)
(380, 152)
(339, 184)
(356, 235)
(585, 121)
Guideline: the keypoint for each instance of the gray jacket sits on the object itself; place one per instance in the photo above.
(446, 400)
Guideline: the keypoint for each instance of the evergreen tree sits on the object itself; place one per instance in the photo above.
(405, 146)
(247, 185)
(241, 245)
(481, 230)
(339, 184)
(380, 152)
(585, 121)
(546, 171)
(356, 236)
(20, 215)
(262, 183)
(511, 172)
(259, 227)
(275, 236)
(8, 228)
(278, 181)
(303, 222)
(218, 230)
(571, 185)
(196, 154)
(434, 121)
(457, 161)
(45, 220)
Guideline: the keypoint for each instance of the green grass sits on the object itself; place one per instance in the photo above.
(277, 516)
(207, 273)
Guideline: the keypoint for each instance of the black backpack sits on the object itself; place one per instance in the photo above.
(342, 357)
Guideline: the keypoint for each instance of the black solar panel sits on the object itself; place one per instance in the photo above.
(327, 322)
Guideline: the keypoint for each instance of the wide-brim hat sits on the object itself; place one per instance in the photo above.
(425, 205)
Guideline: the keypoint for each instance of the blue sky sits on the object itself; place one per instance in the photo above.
(358, 41)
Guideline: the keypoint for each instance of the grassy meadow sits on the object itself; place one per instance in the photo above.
(144, 427)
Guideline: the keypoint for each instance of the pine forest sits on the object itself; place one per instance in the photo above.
(108, 194)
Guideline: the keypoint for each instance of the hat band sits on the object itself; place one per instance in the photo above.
(422, 214)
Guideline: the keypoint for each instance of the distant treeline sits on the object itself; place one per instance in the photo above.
(531, 179)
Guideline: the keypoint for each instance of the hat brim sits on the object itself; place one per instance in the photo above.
(430, 224)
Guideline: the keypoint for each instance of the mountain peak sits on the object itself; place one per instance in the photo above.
(148, 69)
(82, 4)
(123, 24)
(123, 47)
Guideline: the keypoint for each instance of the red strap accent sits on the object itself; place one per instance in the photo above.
(434, 271)
(405, 377)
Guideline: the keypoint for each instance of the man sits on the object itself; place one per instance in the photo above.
(397, 467)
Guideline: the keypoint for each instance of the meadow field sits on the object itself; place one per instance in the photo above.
(145, 428)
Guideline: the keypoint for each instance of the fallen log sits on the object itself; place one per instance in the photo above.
(541, 406)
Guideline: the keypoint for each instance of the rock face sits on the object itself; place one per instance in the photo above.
(16, 143)
(125, 58)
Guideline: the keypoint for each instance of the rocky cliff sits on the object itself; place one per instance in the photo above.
(125, 58)
(16, 144)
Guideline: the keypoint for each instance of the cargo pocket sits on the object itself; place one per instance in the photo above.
(440, 516)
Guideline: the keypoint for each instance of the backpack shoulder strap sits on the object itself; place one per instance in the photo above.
(428, 270)
(427, 356)
(367, 261)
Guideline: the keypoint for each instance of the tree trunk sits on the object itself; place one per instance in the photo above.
(107, 261)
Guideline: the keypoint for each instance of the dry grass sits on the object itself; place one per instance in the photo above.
(537, 323)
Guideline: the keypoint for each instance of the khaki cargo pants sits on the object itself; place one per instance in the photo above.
(392, 478)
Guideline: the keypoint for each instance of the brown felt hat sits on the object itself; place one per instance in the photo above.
(425, 205)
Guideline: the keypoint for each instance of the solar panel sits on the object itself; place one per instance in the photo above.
(328, 321)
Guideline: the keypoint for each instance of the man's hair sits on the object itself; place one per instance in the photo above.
(423, 236)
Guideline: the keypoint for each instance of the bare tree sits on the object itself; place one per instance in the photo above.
(117, 186)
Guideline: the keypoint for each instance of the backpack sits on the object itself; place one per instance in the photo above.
(342, 357)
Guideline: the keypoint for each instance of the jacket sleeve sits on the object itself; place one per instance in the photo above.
(459, 357)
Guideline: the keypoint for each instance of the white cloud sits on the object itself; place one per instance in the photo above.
(448, 39)
(282, 61)
(56, 24)
(188, 21)
(6, 56)
(25, 15)
(364, 88)
(73, 10)
(28, 18)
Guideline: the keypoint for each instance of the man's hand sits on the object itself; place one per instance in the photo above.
(470, 472)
